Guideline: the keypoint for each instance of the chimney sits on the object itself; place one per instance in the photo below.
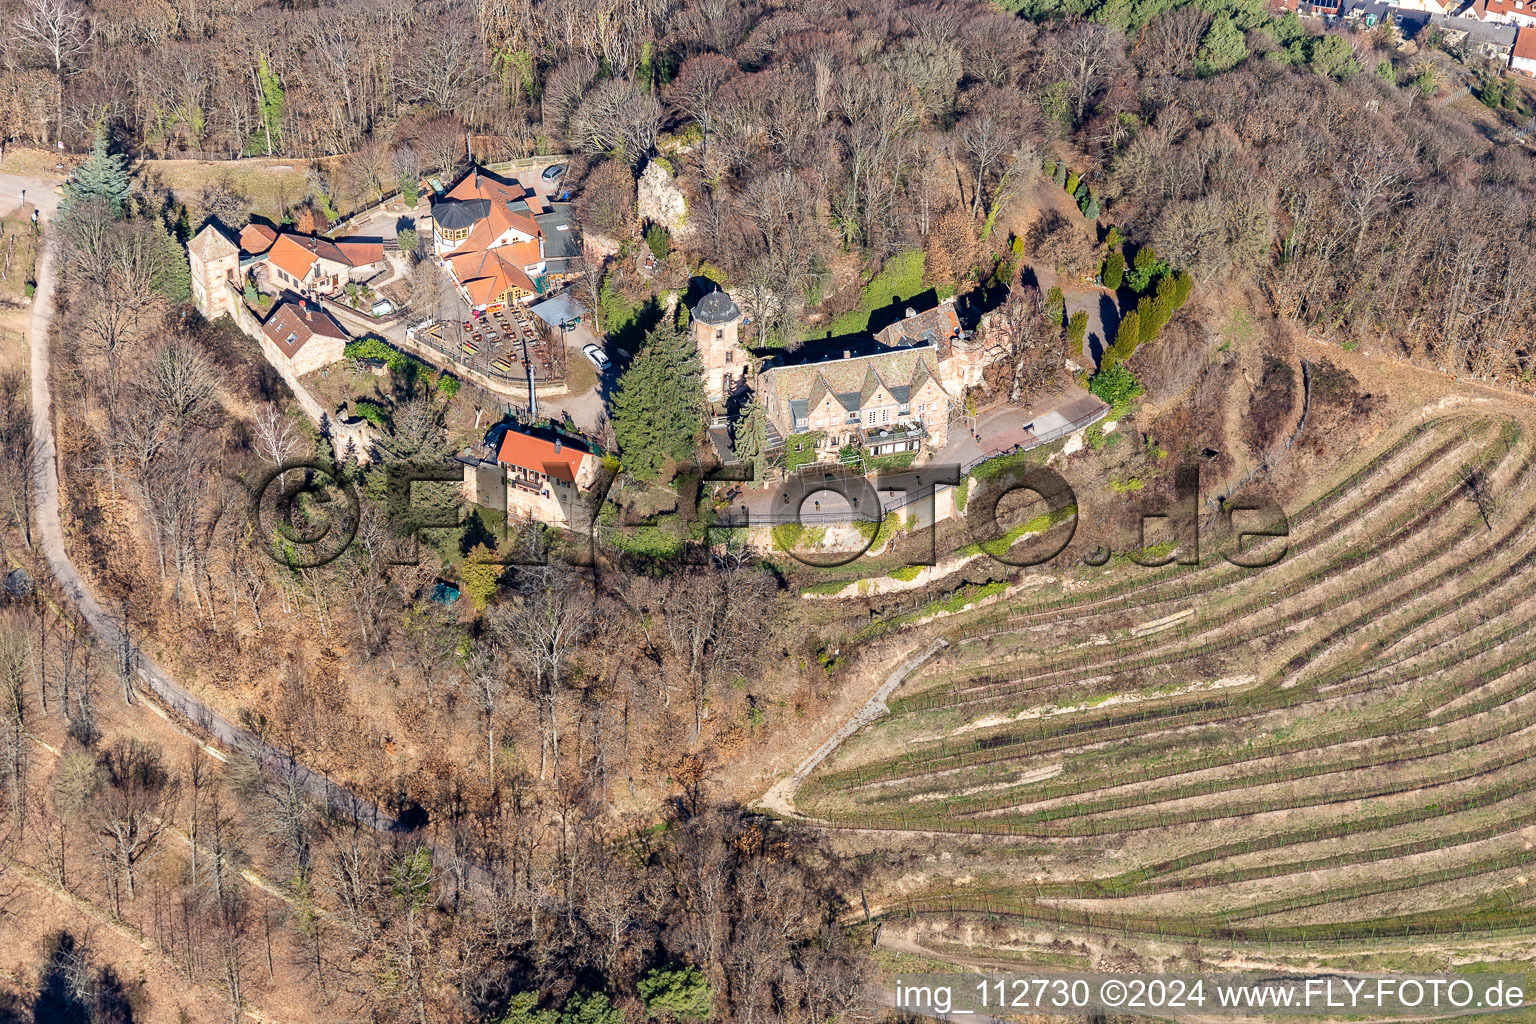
(847, 353)
(557, 445)
(911, 312)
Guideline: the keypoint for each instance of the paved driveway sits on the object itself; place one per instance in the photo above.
(1008, 427)
(39, 193)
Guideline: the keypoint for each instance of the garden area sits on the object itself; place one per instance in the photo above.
(18, 258)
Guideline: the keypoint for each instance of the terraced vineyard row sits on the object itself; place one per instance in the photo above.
(1358, 720)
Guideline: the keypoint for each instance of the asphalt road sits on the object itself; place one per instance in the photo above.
(50, 538)
(39, 193)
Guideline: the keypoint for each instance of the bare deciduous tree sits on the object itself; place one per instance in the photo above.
(132, 806)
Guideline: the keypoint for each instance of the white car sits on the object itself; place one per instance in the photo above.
(596, 356)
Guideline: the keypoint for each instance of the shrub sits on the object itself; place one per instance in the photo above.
(1114, 271)
(1055, 304)
(372, 347)
(659, 240)
(1116, 386)
(1077, 332)
(448, 385)
(1072, 183)
(1060, 176)
(372, 411)
(481, 575)
(1145, 269)
(683, 992)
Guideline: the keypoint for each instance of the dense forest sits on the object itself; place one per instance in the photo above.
(1313, 176)
(815, 139)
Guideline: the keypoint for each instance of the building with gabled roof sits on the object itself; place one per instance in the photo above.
(533, 473)
(256, 239)
(487, 231)
(1521, 13)
(303, 337)
(885, 401)
(214, 262)
(1522, 57)
(307, 263)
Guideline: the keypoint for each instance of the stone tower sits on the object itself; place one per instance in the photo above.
(716, 320)
(213, 260)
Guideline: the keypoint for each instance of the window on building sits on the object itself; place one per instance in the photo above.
(730, 356)
(885, 415)
(719, 332)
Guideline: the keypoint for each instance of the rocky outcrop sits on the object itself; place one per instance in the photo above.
(660, 201)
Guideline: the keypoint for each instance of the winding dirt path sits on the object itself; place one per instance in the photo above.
(780, 797)
(49, 536)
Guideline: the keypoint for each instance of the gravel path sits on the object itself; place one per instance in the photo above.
(780, 798)
(50, 538)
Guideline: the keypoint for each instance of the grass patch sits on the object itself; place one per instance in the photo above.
(1039, 524)
(829, 587)
(19, 245)
(270, 185)
(906, 573)
(900, 279)
(800, 449)
(789, 536)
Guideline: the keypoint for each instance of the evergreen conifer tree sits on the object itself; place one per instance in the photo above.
(1221, 47)
(658, 409)
(102, 175)
(173, 278)
(750, 438)
(1114, 271)
(1127, 337)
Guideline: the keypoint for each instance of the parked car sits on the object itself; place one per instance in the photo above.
(553, 173)
(596, 356)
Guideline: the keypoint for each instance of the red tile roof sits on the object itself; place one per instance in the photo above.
(296, 254)
(1483, 9)
(257, 238)
(1525, 44)
(539, 455)
(361, 252)
(291, 325)
(487, 272)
